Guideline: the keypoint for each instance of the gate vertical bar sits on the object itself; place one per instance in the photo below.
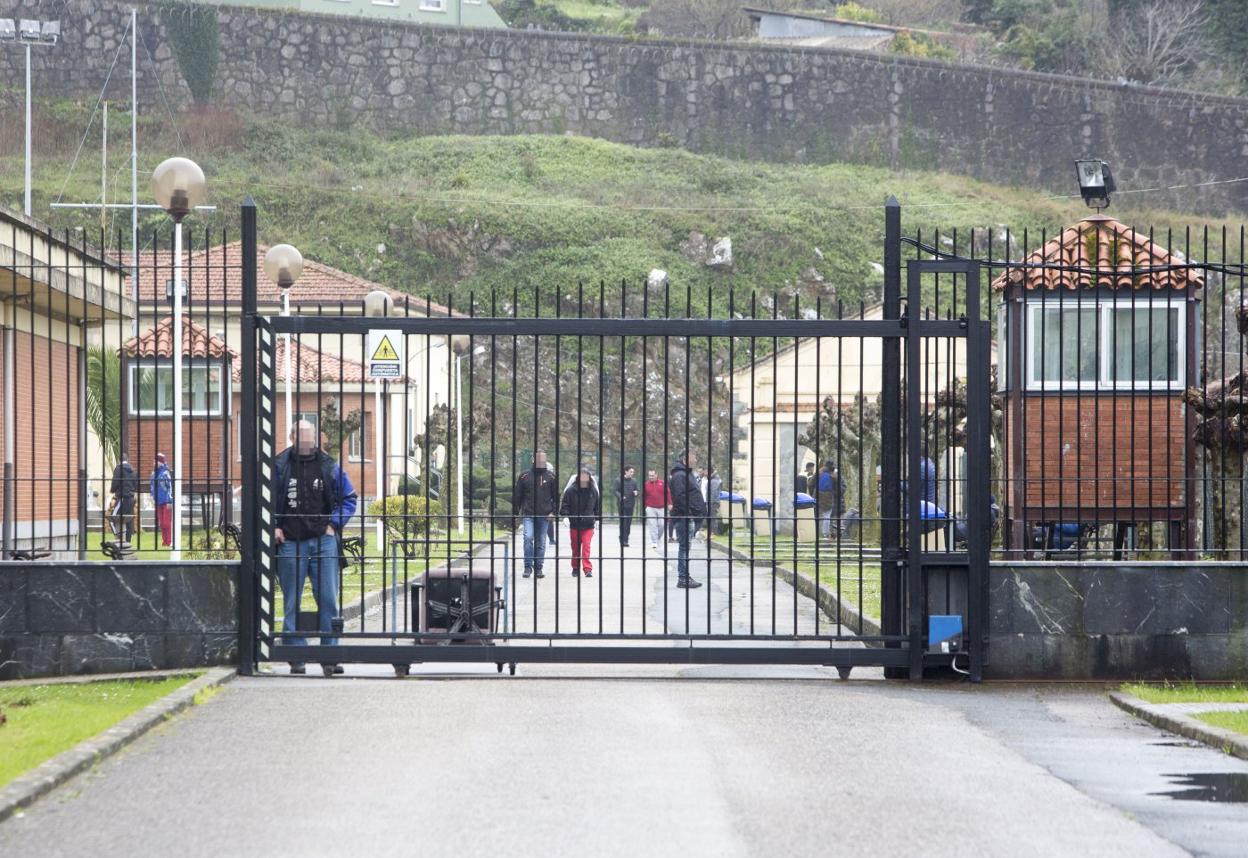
(890, 436)
(978, 472)
(251, 519)
(915, 577)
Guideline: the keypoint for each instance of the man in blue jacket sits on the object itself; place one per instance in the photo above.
(313, 500)
(161, 486)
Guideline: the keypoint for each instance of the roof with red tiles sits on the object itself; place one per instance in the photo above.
(215, 277)
(1101, 252)
(157, 342)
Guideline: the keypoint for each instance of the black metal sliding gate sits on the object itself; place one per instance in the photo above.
(843, 568)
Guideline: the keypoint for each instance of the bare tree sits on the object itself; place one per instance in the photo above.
(704, 19)
(1157, 43)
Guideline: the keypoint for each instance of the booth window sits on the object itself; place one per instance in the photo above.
(1105, 346)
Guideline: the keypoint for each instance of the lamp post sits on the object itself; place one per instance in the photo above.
(29, 33)
(178, 186)
(377, 305)
(283, 264)
(1096, 182)
(459, 345)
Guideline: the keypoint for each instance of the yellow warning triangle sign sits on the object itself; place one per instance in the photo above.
(385, 351)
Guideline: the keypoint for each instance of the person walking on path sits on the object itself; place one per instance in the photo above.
(123, 487)
(713, 488)
(582, 505)
(830, 498)
(535, 500)
(314, 500)
(161, 486)
(626, 502)
(688, 508)
(805, 483)
(655, 499)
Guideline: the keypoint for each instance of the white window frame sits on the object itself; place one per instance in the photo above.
(433, 5)
(140, 364)
(1104, 308)
(385, 2)
(473, 2)
(360, 437)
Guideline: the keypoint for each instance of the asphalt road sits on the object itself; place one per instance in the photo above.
(579, 762)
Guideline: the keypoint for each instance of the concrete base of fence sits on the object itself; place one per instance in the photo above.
(1118, 621)
(59, 618)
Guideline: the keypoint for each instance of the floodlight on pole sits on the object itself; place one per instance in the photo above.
(378, 304)
(283, 264)
(1096, 182)
(178, 186)
(29, 33)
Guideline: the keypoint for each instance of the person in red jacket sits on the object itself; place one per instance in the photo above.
(656, 499)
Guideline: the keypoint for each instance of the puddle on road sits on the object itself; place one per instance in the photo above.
(1220, 787)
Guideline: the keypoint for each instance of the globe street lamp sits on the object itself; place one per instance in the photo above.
(377, 304)
(283, 264)
(178, 186)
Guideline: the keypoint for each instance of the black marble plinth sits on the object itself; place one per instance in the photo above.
(61, 618)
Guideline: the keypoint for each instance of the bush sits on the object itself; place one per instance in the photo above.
(195, 39)
(406, 516)
(208, 545)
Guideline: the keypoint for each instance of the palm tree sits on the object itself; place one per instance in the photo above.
(104, 400)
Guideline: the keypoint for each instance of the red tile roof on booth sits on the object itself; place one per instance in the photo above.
(1110, 254)
(215, 275)
(197, 342)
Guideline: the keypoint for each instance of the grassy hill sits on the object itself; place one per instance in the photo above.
(464, 215)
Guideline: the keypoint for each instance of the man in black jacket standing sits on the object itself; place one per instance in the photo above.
(123, 487)
(535, 500)
(688, 508)
(626, 500)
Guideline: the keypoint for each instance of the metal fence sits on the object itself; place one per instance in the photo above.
(1118, 389)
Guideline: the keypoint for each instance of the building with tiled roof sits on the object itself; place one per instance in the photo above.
(215, 279)
(197, 342)
(1099, 341)
(1101, 252)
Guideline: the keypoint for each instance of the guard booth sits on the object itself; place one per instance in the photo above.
(1098, 339)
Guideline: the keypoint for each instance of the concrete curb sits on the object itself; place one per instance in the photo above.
(1235, 744)
(52, 773)
(821, 594)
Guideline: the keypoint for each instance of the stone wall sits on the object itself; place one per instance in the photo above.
(746, 100)
(67, 618)
(1118, 621)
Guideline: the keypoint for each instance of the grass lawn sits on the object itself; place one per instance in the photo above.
(1237, 721)
(858, 579)
(1187, 692)
(44, 720)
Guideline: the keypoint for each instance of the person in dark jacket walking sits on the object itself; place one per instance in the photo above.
(314, 499)
(829, 497)
(161, 486)
(805, 483)
(582, 506)
(123, 487)
(688, 508)
(536, 500)
(626, 502)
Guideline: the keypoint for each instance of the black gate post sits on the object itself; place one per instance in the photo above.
(979, 470)
(891, 561)
(249, 542)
